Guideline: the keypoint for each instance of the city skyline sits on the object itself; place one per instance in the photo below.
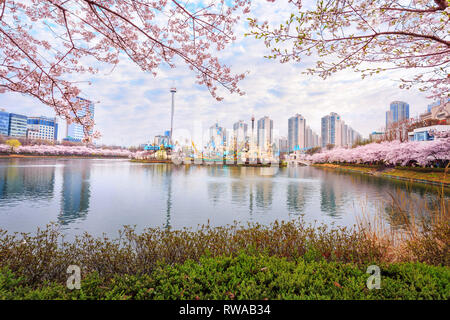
(339, 133)
(280, 128)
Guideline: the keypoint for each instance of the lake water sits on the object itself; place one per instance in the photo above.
(100, 196)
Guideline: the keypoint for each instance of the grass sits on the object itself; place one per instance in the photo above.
(246, 276)
(414, 174)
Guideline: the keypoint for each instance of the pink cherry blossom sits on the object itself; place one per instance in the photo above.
(59, 150)
(43, 42)
(387, 34)
(422, 153)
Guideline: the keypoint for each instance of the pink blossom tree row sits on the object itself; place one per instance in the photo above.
(66, 151)
(423, 153)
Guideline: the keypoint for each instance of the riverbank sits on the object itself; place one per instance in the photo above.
(436, 177)
(214, 163)
(150, 161)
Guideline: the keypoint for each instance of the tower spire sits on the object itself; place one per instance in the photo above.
(173, 90)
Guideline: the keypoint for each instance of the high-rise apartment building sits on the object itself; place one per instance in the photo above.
(336, 132)
(4, 122)
(217, 136)
(328, 128)
(75, 131)
(42, 128)
(311, 138)
(283, 145)
(162, 140)
(398, 111)
(265, 133)
(240, 133)
(17, 125)
(296, 132)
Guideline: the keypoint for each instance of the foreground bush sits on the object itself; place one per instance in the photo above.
(246, 276)
(45, 256)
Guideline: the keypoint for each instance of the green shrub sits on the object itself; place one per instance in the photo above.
(45, 255)
(247, 276)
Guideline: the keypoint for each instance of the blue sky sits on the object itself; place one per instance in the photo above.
(133, 106)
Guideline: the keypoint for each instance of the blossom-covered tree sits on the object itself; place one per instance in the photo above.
(389, 34)
(43, 42)
(60, 150)
(13, 143)
(421, 153)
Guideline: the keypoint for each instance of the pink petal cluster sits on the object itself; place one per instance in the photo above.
(45, 43)
(422, 153)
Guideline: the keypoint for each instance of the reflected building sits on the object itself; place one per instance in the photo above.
(264, 194)
(217, 188)
(331, 193)
(238, 191)
(295, 200)
(216, 191)
(27, 183)
(75, 193)
(168, 185)
(328, 200)
(12, 185)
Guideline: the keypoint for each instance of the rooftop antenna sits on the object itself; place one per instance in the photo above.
(173, 90)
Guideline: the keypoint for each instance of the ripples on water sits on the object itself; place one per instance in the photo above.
(99, 196)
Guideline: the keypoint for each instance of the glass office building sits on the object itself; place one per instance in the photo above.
(296, 132)
(4, 123)
(398, 111)
(265, 133)
(42, 128)
(329, 124)
(17, 125)
(75, 131)
(240, 131)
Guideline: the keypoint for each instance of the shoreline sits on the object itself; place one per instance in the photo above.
(433, 178)
(438, 178)
(214, 163)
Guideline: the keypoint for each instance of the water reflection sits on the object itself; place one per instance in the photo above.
(264, 194)
(295, 200)
(168, 187)
(26, 182)
(160, 176)
(86, 194)
(330, 198)
(75, 193)
(216, 191)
